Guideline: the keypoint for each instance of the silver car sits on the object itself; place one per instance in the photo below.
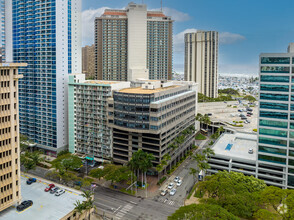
(173, 192)
(59, 192)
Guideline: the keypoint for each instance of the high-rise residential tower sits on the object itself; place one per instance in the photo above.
(201, 60)
(9, 135)
(47, 36)
(2, 30)
(275, 162)
(131, 42)
(89, 135)
(88, 61)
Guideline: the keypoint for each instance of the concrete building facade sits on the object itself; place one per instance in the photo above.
(89, 135)
(51, 45)
(9, 135)
(201, 61)
(133, 43)
(151, 116)
(276, 119)
(88, 61)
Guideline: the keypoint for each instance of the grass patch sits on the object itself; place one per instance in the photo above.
(200, 137)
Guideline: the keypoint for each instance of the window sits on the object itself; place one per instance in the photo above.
(271, 132)
(272, 141)
(269, 105)
(275, 60)
(277, 124)
(275, 69)
(278, 88)
(272, 159)
(270, 78)
(271, 96)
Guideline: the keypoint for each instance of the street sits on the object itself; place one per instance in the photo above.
(123, 206)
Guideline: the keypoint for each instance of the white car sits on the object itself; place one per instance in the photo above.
(176, 179)
(179, 182)
(59, 192)
(173, 192)
(171, 185)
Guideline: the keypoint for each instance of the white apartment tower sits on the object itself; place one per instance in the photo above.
(201, 60)
(133, 43)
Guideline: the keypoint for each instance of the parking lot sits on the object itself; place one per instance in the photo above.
(228, 113)
(45, 205)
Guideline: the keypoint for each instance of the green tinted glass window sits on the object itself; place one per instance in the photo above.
(272, 150)
(278, 88)
(275, 69)
(272, 159)
(271, 132)
(277, 124)
(270, 78)
(272, 141)
(275, 60)
(270, 105)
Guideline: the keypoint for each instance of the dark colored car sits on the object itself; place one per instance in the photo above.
(47, 189)
(24, 205)
(31, 180)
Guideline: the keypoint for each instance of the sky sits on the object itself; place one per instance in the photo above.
(246, 27)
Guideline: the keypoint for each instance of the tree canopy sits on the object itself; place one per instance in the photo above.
(202, 212)
(228, 91)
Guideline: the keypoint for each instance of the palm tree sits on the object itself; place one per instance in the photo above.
(208, 152)
(79, 208)
(206, 120)
(89, 203)
(147, 164)
(194, 172)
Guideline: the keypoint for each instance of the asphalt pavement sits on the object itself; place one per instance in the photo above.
(123, 206)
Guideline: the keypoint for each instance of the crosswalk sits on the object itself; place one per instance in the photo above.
(166, 201)
(121, 213)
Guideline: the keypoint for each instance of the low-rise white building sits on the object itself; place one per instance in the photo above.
(232, 153)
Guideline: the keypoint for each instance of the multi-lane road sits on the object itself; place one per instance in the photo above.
(123, 206)
(126, 207)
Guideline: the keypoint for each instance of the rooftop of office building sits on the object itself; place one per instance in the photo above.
(140, 90)
(45, 205)
(236, 145)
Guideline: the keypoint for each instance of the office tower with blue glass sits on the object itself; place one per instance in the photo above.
(46, 35)
(275, 162)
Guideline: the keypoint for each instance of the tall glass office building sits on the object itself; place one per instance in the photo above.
(275, 163)
(46, 35)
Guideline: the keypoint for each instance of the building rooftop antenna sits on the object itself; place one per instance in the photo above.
(161, 4)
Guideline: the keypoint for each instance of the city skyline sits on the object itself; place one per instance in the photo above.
(238, 31)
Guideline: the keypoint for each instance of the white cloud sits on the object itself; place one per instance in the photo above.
(88, 19)
(230, 38)
(175, 14)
